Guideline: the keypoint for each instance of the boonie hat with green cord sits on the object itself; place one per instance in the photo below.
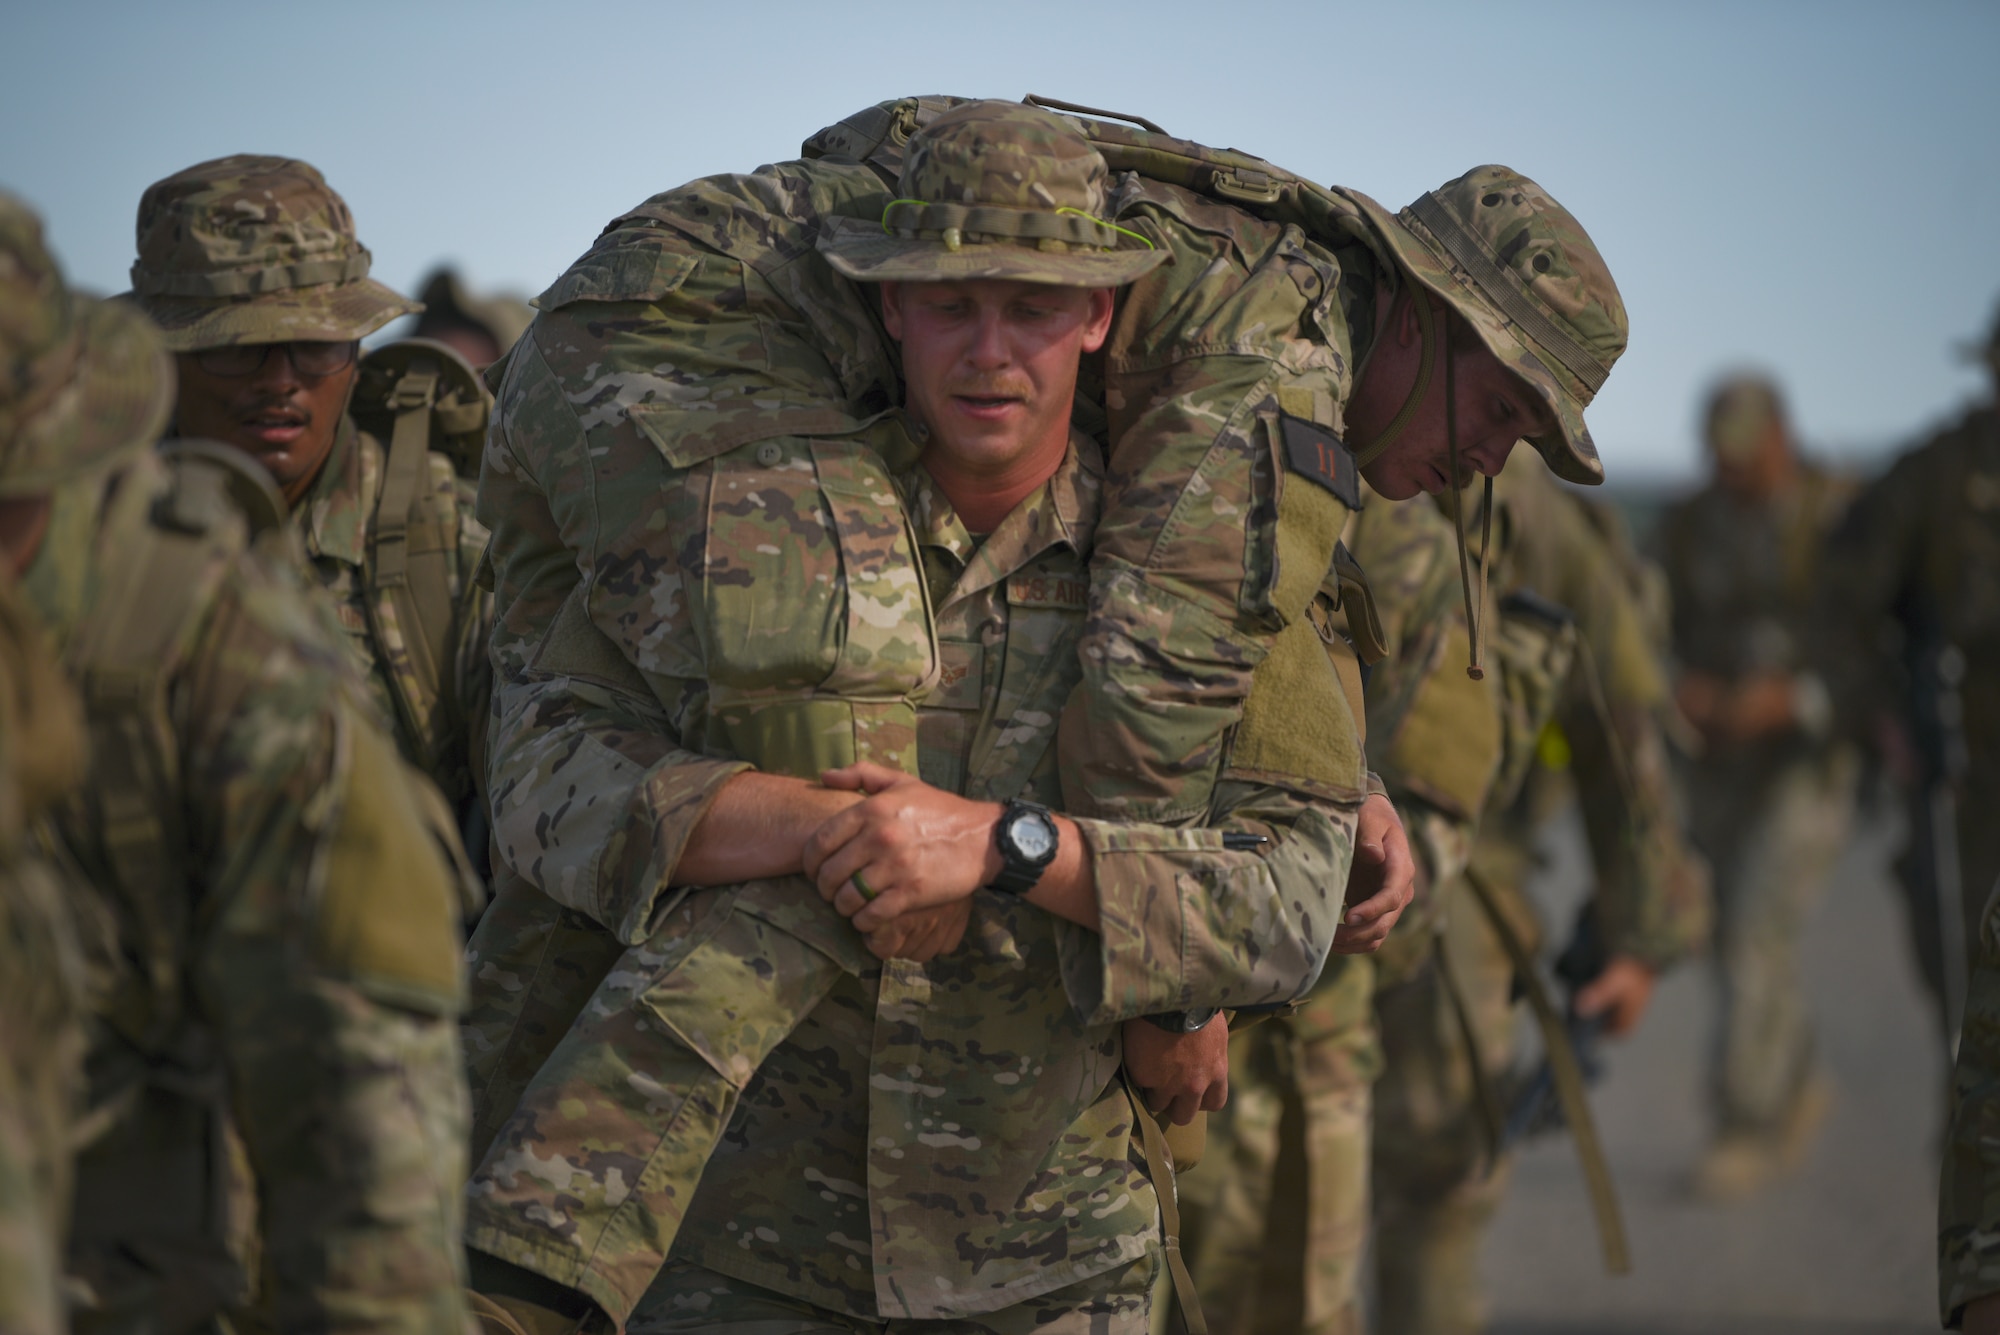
(249, 249)
(994, 190)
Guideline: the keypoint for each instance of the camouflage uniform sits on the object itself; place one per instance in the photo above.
(278, 1106)
(1918, 557)
(246, 250)
(988, 666)
(1433, 1194)
(1243, 346)
(1771, 814)
(41, 976)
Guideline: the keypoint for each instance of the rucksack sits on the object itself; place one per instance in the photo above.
(416, 396)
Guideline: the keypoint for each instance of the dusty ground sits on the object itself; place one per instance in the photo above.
(1845, 1248)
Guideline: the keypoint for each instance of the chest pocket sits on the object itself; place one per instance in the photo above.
(811, 610)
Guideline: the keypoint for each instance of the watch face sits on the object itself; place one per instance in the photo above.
(1033, 835)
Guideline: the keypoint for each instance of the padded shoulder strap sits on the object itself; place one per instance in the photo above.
(157, 581)
(420, 396)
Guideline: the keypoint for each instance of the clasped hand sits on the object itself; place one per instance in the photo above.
(902, 863)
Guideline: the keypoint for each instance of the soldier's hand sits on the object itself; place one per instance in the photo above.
(1180, 1074)
(906, 846)
(1381, 882)
(1982, 1315)
(1758, 707)
(922, 934)
(1620, 994)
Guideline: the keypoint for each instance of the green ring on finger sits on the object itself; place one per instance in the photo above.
(862, 886)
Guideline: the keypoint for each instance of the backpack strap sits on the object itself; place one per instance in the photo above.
(156, 584)
(421, 396)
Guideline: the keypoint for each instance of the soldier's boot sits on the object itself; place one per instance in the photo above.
(1743, 1161)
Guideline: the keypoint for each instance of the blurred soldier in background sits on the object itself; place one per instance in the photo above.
(1770, 795)
(268, 915)
(41, 969)
(251, 266)
(1913, 587)
(479, 329)
(1571, 649)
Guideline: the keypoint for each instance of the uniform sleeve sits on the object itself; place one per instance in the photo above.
(1969, 1190)
(329, 968)
(630, 797)
(1185, 923)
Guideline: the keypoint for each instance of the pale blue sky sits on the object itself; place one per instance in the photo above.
(1813, 187)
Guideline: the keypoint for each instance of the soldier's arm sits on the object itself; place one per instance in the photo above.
(329, 962)
(1652, 901)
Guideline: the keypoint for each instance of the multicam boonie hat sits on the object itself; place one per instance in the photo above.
(994, 190)
(1741, 409)
(249, 249)
(1526, 276)
(82, 382)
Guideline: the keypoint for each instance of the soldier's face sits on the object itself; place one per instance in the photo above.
(1495, 408)
(283, 418)
(991, 365)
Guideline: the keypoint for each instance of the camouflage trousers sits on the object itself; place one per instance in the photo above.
(602, 1079)
(1979, 873)
(687, 1298)
(1434, 1188)
(1771, 832)
(1275, 1218)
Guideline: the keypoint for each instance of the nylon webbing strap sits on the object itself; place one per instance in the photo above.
(1566, 1074)
(1487, 1104)
(1160, 1167)
(120, 660)
(1427, 362)
(401, 475)
(1505, 290)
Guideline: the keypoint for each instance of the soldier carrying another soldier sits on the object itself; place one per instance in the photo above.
(695, 566)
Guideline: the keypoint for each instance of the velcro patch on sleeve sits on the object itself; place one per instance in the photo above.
(1313, 451)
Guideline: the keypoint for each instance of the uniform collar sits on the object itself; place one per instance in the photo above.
(1062, 511)
(333, 517)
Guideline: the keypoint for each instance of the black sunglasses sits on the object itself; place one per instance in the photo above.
(313, 359)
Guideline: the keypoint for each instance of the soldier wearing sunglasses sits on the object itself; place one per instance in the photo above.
(251, 267)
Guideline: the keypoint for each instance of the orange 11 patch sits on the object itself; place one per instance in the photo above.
(1315, 452)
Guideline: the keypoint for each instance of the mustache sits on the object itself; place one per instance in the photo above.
(288, 404)
(990, 387)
